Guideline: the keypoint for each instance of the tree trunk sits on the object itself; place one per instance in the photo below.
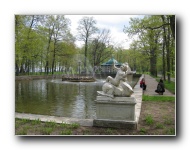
(86, 47)
(153, 55)
(17, 69)
(49, 42)
(168, 56)
(168, 53)
(46, 67)
(153, 70)
(163, 61)
(163, 49)
(172, 24)
(167, 42)
(53, 62)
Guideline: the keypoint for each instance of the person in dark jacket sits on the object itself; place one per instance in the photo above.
(160, 88)
(143, 84)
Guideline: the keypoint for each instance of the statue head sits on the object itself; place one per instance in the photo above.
(124, 67)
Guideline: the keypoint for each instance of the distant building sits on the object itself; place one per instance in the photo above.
(107, 66)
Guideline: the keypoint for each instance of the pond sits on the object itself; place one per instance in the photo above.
(58, 98)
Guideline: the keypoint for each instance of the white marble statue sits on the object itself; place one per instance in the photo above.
(118, 86)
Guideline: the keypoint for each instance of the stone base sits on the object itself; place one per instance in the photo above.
(120, 124)
(117, 112)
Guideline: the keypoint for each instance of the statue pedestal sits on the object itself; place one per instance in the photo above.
(117, 112)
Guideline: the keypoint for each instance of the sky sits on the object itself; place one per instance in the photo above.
(115, 23)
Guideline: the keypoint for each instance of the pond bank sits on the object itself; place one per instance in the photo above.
(35, 77)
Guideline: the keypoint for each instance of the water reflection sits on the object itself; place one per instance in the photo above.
(54, 97)
(57, 98)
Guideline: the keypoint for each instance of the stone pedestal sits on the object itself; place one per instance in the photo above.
(117, 112)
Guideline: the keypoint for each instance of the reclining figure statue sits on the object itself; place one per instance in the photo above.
(119, 85)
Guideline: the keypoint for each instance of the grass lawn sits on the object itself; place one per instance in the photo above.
(158, 98)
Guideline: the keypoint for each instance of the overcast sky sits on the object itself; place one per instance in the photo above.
(115, 23)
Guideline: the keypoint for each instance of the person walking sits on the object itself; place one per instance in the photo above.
(160, 88)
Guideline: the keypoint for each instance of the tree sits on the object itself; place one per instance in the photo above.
(149, 32)
(60, 32)
(166, 42)
(27, 42)
(86, 29)
(48, 29)
(100, 48)
(41, 41)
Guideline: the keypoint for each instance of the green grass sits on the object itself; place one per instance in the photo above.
(47, 131)
(35, 122)
(143, 131)
(25, 126)
(170, 131)
(24, 121)
(66, 132)
(159, 126)
(168, 121)
(50, 124)
(149, 120)
(158, 98)
(22, 132)
(110, 131)
(75, 125)
(170, 86)
(71, 126)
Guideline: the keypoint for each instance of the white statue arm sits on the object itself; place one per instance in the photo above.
(114, 67)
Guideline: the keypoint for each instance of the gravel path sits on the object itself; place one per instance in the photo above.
(152, 85)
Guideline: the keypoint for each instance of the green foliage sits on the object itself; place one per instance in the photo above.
(148, 33)
(42, 41)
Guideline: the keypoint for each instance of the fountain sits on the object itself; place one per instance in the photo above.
(81, 73)
(79, 79)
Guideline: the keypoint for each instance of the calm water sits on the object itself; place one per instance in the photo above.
(57, 98)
